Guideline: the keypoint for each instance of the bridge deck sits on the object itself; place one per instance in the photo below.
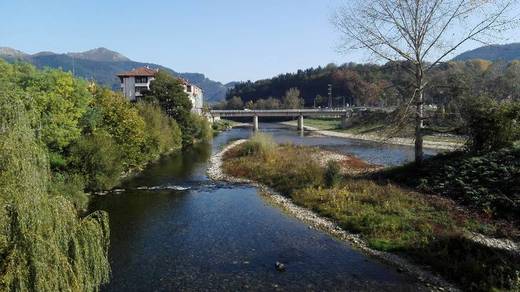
(283, 112)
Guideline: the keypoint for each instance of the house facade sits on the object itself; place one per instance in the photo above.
(136, 81)
(195, 94)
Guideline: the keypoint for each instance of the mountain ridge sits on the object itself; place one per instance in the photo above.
(102, 65)
(505, 52)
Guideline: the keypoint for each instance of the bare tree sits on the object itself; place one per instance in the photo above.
(422, 33)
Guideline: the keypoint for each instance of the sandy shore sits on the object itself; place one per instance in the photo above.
(315, 221)
(439, 145)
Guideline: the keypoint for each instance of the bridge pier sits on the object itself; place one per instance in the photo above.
(300, 123)
(255, 123)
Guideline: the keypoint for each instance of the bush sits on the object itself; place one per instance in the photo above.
(260, 144)
(162, 132)
(489, 182)
(202, 130)
(97, 157)
(70, 186)
(332, 175)
(221, 125)
(491, 125)
(280, 167)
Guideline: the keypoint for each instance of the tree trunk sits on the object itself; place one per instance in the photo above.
(419, 117)
(419, 125)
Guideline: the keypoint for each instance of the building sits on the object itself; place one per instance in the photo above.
(136, 81)
(195, 94)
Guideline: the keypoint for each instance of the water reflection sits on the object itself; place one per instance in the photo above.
(226, 237)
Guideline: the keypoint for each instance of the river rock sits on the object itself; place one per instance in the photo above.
(280, 267)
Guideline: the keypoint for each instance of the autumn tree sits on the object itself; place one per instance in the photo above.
(292, 100)
(422, 33)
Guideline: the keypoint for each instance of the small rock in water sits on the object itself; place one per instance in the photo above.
(279, 267)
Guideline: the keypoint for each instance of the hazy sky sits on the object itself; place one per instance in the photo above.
(225, 39)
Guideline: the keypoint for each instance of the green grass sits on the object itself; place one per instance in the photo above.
(427, 229)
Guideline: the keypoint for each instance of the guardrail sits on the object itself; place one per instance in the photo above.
(293, 112)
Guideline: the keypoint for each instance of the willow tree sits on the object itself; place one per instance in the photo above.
(422, 33)
(44, 245)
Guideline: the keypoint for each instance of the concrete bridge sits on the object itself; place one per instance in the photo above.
(343, 113)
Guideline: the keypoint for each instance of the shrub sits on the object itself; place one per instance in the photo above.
(162, 132)
(489, 182)
(202, 130)
(71, 187)
(221, 125)
(491, 125)
(260, 144)
(97, 157)
(332, 175)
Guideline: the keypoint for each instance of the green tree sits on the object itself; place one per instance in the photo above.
(44, 246)
(98, 158)
(121, 120)
(491, 124)
(168, 92)
(162, 132)
(59, 101)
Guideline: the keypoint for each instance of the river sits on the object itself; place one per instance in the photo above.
(172, 229)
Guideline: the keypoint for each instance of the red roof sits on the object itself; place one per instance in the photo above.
(143, 71)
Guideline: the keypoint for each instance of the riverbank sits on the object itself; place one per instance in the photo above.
(429, 230)
(216, 172)
(429, 142)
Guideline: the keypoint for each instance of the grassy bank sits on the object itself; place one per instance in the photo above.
(488, 183)
(428, 229)
(376, 128)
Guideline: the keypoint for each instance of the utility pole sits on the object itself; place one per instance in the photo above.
(344, 105)
(330, 95)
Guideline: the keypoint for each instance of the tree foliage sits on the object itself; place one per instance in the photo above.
(60, 137)
(44, 246)
(492, 125)
(168, 92)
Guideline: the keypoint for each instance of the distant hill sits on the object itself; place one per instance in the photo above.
(102, 65)
(507, 52)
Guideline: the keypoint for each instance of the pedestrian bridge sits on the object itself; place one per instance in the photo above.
(343, 113)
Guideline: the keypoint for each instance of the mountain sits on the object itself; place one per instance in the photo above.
(102, 65)
(507, 52)
(100, 54)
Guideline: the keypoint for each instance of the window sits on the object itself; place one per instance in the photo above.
(141, 89)
(188, 88)
(141, 79)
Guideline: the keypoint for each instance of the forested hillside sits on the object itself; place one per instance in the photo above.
(508, 52)
(388, 84)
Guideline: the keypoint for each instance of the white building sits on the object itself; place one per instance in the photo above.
(136, 81)
(195, 94)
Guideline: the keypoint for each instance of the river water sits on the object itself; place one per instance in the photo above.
(172, 229)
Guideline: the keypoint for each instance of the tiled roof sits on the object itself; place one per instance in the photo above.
(143, 71)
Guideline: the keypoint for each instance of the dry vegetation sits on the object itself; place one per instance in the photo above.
(429, 229)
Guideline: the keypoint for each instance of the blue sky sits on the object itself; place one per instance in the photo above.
(225, 39)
